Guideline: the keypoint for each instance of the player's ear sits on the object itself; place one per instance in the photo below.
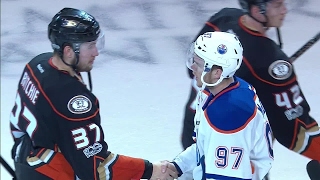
(253, 9)
(68, 51)
(217, 73)
(256, 13)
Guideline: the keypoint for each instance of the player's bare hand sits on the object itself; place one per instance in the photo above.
(164, 170)
(167, 165)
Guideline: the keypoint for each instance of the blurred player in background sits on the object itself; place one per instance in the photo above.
(55, 121)
(270, 71)
(232, 131)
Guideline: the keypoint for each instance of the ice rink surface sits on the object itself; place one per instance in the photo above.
(140, 79)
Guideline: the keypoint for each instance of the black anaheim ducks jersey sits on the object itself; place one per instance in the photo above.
(59, 113)
(267, 68)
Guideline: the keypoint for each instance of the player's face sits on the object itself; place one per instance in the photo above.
(276, 11)
(197, 68)
(88, 53)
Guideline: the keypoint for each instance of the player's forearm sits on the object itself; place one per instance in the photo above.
(125, 167)
(111, 167)
(186, 160)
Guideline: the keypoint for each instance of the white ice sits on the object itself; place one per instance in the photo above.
(140, 79)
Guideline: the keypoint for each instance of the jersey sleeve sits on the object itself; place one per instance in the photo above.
(80, 138)
(186, 160)
(262, 154)
(273, 67)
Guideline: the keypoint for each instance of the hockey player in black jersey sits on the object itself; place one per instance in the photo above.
(55, 121)
(269, 70)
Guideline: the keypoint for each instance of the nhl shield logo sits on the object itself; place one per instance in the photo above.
(222, 49)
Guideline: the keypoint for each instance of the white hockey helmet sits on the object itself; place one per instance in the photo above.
(220, 49)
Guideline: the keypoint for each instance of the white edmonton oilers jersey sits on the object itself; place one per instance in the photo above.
(233, 136)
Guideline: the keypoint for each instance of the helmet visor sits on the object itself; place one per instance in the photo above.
(100, 42)
(190, 55)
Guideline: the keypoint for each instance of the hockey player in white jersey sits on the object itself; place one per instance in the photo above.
(233, 135)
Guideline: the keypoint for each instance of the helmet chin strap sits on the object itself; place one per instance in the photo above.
(262, 8)
(208, 84)
(220, 79)
(76, 48)
(264, 24)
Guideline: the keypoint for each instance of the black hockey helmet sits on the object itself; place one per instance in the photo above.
(70, 26)
(246, 5)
